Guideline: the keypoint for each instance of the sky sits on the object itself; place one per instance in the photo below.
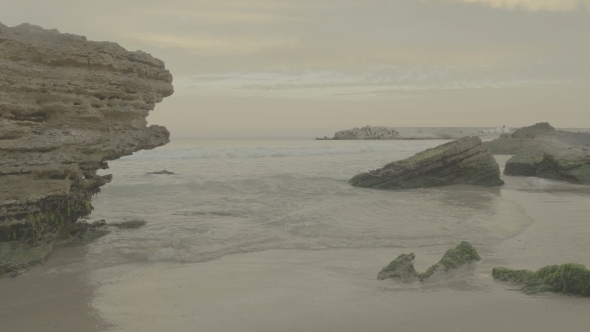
(307, 68)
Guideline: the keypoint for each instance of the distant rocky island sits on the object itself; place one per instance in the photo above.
(424, 133)
(67, 106)
(391, 133)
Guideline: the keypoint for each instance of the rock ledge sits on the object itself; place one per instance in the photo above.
(67, 106)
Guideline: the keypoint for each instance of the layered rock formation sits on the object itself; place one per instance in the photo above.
(541, 150)
(402, 267)
(366, 132)
(67, 106)
(464, 161)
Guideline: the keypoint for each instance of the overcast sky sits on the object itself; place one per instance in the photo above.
(303, 68)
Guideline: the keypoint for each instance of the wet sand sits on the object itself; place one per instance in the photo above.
(317, 290)
(337, 290)
(44, 300)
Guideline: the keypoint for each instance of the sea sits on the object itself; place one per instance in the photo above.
(230, 196)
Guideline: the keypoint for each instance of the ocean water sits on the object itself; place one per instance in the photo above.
(236, 196)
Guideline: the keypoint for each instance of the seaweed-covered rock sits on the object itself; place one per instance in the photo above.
(463, 254)
(403, 267)
(463, 161)
(568, 278)
(541, 150)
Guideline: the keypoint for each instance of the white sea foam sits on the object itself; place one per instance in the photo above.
(243, 196)
(267, 151)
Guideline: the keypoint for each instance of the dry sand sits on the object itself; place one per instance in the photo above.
(324, 290)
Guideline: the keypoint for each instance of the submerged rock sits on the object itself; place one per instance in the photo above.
(463, 161)
(82, 232)
(17, 257)
(163, 172)
(567, 279)
(403, 267)
(67, 106)
(541, 150)
(129, 224)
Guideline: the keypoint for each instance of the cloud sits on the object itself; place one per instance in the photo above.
(218, 46)
(531, 5)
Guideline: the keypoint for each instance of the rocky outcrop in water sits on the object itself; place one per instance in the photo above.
(464, 161)
(366, 132)
(67, 106)
(541, 150)
(402, 267)
(567, 279)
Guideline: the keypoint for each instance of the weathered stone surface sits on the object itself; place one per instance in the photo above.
(366, 132)
(542, 151)
(567, 279)
(402, 267)
(464, 161)
(67, 106)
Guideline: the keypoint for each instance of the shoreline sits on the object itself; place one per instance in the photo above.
(315, 290)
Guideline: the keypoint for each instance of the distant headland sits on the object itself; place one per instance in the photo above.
(421, 133)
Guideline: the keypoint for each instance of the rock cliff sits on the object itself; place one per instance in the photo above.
(464, 161)
(541, 150)
(67, 106)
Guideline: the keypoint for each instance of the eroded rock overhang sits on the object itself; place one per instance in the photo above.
(67, 106)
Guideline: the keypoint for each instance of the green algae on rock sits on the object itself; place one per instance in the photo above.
(403, 267)
(568, 278)
(463, 254)
(57, 130)
(463, 161)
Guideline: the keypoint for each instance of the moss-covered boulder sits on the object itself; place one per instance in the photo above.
(403, 267)
(568, 278)
(463, 161)
(463, 254)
